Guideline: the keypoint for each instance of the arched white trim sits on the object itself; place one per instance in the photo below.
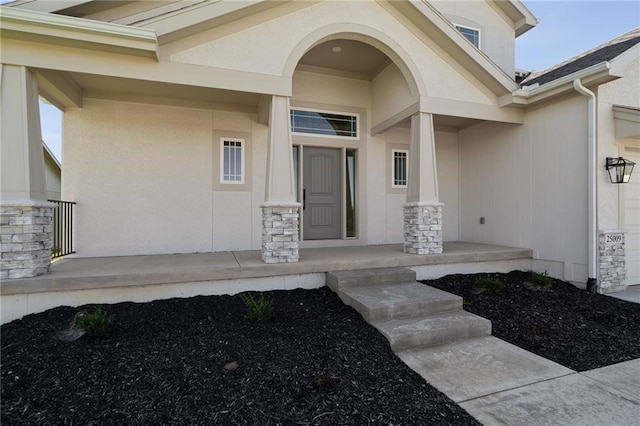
(364, 34)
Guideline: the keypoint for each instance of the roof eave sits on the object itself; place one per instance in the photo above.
(53, 158)
(188, 21)
(594, 75)
(436, 26)
(521, 16)
(69, 31)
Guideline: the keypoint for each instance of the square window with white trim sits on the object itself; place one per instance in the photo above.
(232, 161)
(472, 34)
(399, 168)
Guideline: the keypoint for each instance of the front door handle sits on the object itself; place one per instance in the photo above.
(304, 199)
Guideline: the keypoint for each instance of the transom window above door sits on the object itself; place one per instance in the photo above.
(323, 123)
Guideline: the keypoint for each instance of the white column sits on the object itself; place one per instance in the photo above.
(25, 215)
(423, 211)
(423, 181)
(280, 211)
(21, 154)
(280, 183)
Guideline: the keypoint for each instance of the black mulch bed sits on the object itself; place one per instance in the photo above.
(558, 321)
(316, 362)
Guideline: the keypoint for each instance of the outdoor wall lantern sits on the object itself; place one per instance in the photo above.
(619, 169)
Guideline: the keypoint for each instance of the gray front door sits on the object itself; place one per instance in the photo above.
(322, 210)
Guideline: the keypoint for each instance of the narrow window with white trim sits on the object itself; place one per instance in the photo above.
(399, 168)
(232, 161)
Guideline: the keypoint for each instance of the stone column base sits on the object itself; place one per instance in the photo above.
(26, 238)
(611, 261)
(280, 229)
(423, 228)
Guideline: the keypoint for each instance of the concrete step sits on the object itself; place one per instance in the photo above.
(405, 300)
(438, 329)
(365, 277)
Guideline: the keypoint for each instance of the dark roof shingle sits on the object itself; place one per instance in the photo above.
(602, 53)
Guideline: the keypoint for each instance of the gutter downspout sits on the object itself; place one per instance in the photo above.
(592, 280)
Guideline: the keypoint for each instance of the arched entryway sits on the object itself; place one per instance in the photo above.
(349, 86)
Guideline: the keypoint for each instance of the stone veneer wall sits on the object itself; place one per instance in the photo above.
(423, 228)
(613, 272)
(26, 239)
(280, 229)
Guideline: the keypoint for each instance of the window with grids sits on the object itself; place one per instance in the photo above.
(232, 161)
(471, 34)
(399, 168)
(324, 123)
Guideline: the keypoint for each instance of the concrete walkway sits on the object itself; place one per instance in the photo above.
(496, 382)
(632, 294)
(501, 384)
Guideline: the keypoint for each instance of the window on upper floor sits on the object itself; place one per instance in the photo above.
(321, 123)
(472, 34)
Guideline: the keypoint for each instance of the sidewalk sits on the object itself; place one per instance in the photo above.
(631, 295)
(501, 384)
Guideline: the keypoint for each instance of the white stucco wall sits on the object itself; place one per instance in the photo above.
(269, 47)
(497, 36)
(447, 158)
(447, 162)
(618, 204)
(626, 92)
(391, 94)
(142, 176)
(529, 182)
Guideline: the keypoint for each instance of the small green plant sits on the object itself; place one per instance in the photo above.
(96, 323)
(260, 309)
(491, 285)
(541, 279)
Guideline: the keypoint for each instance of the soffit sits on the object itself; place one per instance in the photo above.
(122, 88)
(627, 122)
(108, 10)
(350, 56)
(97, 83)
(522, 18)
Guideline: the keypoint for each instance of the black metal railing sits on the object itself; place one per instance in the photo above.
(62, 228)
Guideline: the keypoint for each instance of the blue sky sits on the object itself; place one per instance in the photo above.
(566, 29)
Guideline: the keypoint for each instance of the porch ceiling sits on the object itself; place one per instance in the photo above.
(349, 56)
(116, 88)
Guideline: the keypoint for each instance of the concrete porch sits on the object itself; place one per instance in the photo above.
(79, 281)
